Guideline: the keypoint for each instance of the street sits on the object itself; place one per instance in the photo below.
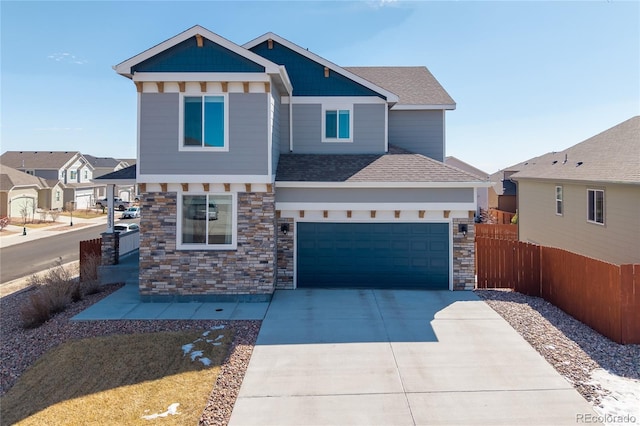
(24, 259)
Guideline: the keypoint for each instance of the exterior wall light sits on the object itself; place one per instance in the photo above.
(284, 228)
(462, 228)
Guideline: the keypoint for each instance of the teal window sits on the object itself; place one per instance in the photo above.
(207, 221)
(595, 203)
(337, 125)
(204, 121)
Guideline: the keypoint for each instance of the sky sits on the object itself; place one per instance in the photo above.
(527, 77)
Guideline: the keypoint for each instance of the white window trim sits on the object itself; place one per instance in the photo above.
(561, 199)
(181, 146)
(337, 107)
(595, 222)
(215, 247)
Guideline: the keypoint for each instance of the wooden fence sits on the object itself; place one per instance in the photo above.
(88, 249)
(501, 232)
(602, 295)
(501, 217)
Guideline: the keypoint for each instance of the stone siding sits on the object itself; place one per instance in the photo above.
(166, 272)
(285, 255)
(464, 268)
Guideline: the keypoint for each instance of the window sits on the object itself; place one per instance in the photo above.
(559, 200)
(207, 222)
(73, 175)
(57, 195)
(337, 125)
(204, 122)
(595, 206)
(86, 175)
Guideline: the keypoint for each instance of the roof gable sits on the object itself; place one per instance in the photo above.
(611, 156)
(182, 54)
(42, 160)
(11, 178)
(307, 71)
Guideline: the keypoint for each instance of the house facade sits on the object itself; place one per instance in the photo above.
(586, 199)
(265, 166)
(70, 168)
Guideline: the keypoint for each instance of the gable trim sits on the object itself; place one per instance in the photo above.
(392, 98)
(407, 107)
(299, 184)
(124, 68)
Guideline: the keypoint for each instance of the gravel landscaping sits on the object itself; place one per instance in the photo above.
(575, 350)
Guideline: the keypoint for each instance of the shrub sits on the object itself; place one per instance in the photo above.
(89, 274)
(54, 215)
(4, 221)
(35, 312)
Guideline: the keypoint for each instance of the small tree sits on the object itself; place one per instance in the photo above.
(54, 215)
(43, 215)
(25, 209)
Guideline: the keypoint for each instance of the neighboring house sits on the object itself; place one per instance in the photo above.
(106, 165)
(482, 194)
(265, 166)
(503, 193)
(71, 168)
(22, 193)
(586, 199)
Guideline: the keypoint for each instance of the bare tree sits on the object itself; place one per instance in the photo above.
(54, 214)
(26, 208)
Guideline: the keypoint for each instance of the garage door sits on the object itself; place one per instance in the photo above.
(373, 255)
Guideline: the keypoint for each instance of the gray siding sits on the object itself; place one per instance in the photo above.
(159, 130)
(284, 129)
(374, 195)
(421, 132)
(368, 131)
(275, 131)
(617, 241)
(46, 174)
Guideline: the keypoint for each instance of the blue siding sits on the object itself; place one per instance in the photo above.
(307, 76)
(188, 57)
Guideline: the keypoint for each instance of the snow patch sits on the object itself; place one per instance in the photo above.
(187, 348)
(171, 411)
(196, 354)
(206, 361)
(623, 400)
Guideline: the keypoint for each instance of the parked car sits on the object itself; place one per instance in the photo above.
(131, 213)
(126, 227)
(199, 211)
(118, 203)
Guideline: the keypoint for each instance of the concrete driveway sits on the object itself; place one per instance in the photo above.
(385, 357)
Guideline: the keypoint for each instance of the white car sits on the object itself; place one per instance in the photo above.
(126, 227)
(131, 213)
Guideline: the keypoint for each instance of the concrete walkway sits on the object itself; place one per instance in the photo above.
(383, 357)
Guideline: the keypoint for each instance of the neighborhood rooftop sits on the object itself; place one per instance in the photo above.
(37, 159)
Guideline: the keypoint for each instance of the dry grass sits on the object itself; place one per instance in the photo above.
(118, 380)
(38, 225)
(85, 214)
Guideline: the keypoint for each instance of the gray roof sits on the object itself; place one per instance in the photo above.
(106, 162)
(413, 85)
(396, 166)
(10, 178)
(126, 173)
(611, 156)
(456, 162)
(37, 159)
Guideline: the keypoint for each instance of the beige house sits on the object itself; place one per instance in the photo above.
(21, 193)
(586, 199)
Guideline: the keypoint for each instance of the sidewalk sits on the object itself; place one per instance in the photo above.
(13, 234)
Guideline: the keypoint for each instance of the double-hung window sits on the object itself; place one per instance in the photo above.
(204, 122)
(559, 200)
(207, 221)
(73, 175)
(595, 206)
(337, 124)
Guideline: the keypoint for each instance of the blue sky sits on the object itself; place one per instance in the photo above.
(528, 77)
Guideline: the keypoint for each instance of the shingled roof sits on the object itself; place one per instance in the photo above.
(37, 159)
(11, 178)
(413, 85)
(611, 156)
(396, 166)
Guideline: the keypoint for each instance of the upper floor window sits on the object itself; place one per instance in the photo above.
(595, 206)
(559, 200)
(86, 174)
(73, 175)
(204, 122)
(337, 124)
(57, 195)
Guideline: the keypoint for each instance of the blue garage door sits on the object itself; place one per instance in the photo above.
(373, 255)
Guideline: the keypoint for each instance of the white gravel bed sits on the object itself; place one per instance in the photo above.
(605, 373)
(21, 348)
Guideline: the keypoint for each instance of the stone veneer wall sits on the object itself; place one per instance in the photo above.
(285, 255)
(464, 267)
(170, 274)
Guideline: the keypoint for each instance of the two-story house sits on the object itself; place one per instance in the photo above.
(266, 166)
(105, 165)
(70, 168)
(586, 198)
